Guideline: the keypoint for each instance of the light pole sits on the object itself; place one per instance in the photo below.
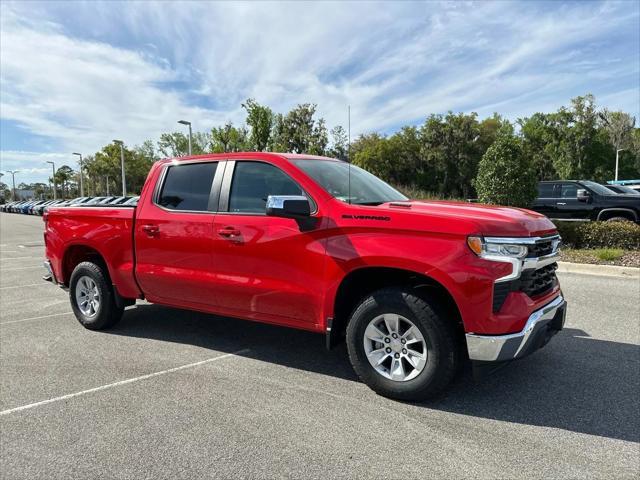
(13, 180)
(53, 167)
(617, 155)
(81, 186)
(184, 122)
(124, 182)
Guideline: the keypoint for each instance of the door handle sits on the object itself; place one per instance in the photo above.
(561, 203)
(229, 232)
(151, 230)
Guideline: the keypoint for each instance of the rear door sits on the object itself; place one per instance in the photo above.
(545, 203)
(266, 267)
(174, 234)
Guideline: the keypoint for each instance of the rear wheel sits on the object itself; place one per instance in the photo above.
(618, 219)
(92, 297)
(401, 345)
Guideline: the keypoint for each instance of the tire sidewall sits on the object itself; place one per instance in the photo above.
(397, 302)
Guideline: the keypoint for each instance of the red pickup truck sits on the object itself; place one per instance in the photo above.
(414, 287)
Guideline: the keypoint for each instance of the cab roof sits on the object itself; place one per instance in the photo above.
(250, 156)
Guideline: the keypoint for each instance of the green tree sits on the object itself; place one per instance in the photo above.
(505, 175)
(229, 139)
(299, 132)
(260, 120)
(339, 143)
(452, 151)
(176, 144)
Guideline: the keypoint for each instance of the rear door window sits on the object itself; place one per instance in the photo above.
(545, 190)
(188, 187)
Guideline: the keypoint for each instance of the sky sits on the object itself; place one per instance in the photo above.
(76, 75)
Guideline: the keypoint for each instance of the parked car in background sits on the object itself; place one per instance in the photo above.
(41, 208)
(632, 184)
(93, 201)
(118, 200)
(584, 200)
(75, 202)
(29, 208)
(623, 190)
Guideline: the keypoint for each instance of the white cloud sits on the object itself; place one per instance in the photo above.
(82, 74)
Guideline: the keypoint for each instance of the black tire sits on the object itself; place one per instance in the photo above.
(618, 219)
(108, 313)
(443, 350)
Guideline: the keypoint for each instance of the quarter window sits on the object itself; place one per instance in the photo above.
(187, 187)
(253, 182)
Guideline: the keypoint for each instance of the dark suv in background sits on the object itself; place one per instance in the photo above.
(584, 200)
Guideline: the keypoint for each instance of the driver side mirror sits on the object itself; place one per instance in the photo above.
(288, 206)
(583, 195)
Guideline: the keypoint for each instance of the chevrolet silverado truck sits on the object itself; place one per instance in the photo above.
(583, 200)
(413, 287)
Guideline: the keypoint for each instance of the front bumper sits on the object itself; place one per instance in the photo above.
(540, 327)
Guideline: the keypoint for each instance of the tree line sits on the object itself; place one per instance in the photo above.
(441, 158)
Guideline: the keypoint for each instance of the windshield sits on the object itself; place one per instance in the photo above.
(333, 176)
(597, 188)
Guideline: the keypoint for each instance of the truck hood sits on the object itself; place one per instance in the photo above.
(489, 220)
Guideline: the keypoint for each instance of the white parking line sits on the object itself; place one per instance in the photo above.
(30, 285)
(16, 258)
(35, 318)
(21, 268)
(122, 382)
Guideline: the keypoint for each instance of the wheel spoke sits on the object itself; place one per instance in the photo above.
(391, 322)
(374, 333)
(378, 356)
(397, 369)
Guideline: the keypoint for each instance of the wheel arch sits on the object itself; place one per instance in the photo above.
(607, 213)
(78, 253)
(362, 281)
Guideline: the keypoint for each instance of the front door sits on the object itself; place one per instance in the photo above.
(174, 235)
(568, 207)
(266, 267)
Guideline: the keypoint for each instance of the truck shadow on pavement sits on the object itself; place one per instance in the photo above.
(576, 383)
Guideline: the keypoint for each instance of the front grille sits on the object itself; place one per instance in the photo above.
(538, 282)
(531, 282)
(541, 248)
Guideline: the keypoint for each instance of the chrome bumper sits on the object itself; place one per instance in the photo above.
(540, 327)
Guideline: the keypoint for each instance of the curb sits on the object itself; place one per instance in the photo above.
(601, 270)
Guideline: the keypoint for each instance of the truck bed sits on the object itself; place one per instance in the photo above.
(108, 230)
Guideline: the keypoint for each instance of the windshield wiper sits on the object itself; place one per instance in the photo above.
(369, 204)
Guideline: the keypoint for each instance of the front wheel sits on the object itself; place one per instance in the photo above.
(92, 297)
(401, 346)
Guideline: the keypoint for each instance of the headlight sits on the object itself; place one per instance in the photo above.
(485, 249)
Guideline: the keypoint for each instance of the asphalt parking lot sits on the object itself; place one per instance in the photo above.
(215, 397)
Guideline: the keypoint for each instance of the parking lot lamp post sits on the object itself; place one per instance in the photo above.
(124, 182)
(81, 186)
(53, 167)
(13, 181)
(617, 156)
(184, 122)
